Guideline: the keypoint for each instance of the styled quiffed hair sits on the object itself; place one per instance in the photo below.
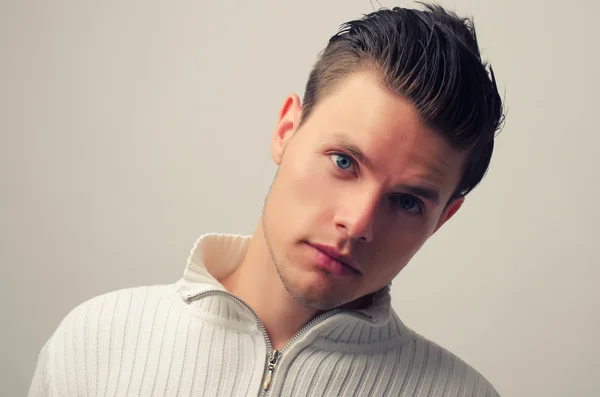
(431, 57)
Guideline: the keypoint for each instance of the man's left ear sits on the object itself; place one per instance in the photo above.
(451, 209)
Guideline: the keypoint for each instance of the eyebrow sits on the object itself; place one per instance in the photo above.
(421, 191)
(354, 151)
(424, 192)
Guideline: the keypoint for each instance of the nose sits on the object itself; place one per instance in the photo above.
(356, 216)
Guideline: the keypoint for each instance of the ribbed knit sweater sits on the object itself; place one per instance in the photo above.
(193, 338)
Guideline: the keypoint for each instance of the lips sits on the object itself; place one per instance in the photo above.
(334, 255)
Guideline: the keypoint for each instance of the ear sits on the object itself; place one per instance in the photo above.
(449, 212)
(289, 118)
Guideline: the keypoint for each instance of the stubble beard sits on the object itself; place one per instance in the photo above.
(316, 299)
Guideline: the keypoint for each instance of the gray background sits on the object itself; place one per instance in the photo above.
(129, 128)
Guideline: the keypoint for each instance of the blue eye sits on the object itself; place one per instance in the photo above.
(342, 161)
(407, 203)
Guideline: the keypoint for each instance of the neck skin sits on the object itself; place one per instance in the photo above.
(257, 283)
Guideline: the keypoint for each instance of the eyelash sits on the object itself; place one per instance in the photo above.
(418, 203)
(337, 154)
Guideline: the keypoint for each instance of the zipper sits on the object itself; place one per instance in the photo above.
(270, 368)
(275, 355)
(261, 327)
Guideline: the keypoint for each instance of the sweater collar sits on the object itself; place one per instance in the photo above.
(216, 255)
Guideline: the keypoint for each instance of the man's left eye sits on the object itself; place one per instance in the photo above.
(407, 203)
(342, 161)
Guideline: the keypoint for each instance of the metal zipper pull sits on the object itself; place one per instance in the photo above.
(270, 368)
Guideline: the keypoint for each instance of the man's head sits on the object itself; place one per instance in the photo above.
(396, 127)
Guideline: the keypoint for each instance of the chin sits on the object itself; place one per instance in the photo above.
(316, 294)
(317, 303)
(310, 286)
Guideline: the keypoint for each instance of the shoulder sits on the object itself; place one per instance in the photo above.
(443, 373)
(98, 315)
(102, 333)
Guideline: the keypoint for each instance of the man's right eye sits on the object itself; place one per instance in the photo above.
(342, 161)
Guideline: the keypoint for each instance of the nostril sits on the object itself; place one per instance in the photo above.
(342, 227)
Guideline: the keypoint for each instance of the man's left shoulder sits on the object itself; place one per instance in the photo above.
(446, 373)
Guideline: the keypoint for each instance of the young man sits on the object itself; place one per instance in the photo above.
(396, 127)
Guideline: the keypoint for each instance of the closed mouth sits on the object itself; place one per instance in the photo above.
(334, 253)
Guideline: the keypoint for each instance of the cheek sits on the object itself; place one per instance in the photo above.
(308, 186)
(392, 253)
(300, 200)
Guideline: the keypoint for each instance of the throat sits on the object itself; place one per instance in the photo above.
(258, 284)
(361, 303)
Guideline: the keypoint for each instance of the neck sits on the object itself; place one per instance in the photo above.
(257, 283)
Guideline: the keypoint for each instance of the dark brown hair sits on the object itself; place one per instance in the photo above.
(431, 57)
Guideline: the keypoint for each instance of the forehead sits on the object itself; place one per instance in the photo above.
(387, 129)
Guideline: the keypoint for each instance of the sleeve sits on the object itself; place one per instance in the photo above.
(40, 384)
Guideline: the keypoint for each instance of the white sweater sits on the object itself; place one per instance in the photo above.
(193, 338)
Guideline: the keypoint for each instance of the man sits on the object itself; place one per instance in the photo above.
(396, 127)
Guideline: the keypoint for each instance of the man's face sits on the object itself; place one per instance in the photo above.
(360, 187)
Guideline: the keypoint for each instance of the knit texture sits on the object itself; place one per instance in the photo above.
(192, 338)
